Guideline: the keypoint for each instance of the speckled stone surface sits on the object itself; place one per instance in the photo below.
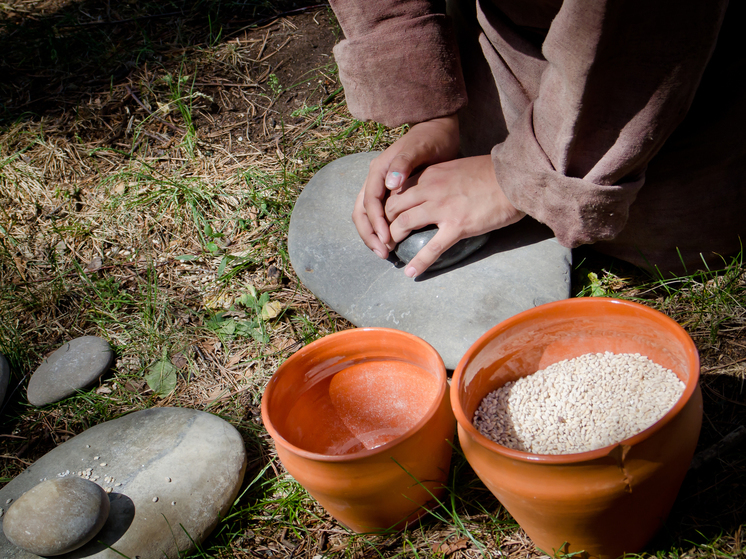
(57, 516)
(4, 377)
(167, 468)
(74, 366)
(409, 247)
(520, 267)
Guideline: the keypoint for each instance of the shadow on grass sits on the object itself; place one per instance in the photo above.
(712, 499)
(55, 58)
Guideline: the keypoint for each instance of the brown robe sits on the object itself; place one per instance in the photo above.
(615, 122)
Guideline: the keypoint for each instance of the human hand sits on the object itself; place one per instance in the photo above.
(426, 143)
(462, 197)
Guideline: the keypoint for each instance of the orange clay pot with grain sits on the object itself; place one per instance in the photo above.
(606, 501)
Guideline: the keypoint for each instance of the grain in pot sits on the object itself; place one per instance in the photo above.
(580, 404)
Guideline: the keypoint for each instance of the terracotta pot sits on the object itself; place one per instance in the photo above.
(607, 501)
(362, 419)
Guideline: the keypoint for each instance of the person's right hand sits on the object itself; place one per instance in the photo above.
(427, 143)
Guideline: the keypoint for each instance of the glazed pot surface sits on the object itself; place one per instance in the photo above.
(606, 501)
(362, 419)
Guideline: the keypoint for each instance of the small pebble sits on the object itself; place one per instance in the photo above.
(172, 503)
(168, 479)
(96, 457)
(117, 485)
(8, 501)
(155, 499)
(88, 446)
(103, 463)
(108, 489)
(72, 367)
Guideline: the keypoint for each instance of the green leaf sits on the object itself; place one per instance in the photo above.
(260, 336)
(221, 268)
(208, 230)
(161, 378)
(213, 247)
(186, 257)
(596, 285)
(215, 322)
(228, 327)
(247, 300)
(263, 299)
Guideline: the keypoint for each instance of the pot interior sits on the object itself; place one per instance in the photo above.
(355, 394)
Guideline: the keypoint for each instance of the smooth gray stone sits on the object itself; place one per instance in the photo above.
(74, 366)
(4, 376)
(202, 455)
(520, 267)
(57, 516)
(409, 247)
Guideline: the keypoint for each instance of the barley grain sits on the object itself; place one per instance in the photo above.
(579, 404)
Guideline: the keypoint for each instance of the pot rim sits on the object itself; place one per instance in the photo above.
(441, 375)
(550, 459)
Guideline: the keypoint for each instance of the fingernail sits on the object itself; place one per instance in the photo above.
(378, 253)
(410, 272)
(394, 180)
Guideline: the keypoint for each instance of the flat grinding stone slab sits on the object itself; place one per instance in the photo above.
(74, 366)
(4, 376)
(520, 267)
(166, 467)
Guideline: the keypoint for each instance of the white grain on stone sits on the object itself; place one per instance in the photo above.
(580, 404)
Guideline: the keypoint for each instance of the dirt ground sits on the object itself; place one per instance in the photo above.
(289, 56)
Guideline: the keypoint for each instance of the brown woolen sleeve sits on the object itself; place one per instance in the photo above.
(620, 77)
(399, 61)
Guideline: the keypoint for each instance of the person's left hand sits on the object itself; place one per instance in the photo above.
(462, 197)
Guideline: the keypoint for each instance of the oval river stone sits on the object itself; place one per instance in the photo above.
(57, 516)
(172, 473)
(74, 366)
(409, 247)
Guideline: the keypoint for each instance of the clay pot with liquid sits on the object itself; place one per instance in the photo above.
(362, 419)
(607, 501)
